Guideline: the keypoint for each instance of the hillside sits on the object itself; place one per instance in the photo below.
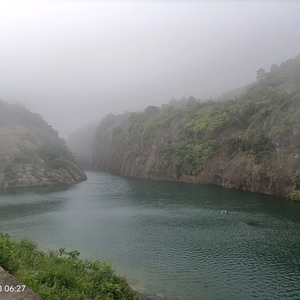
(250, 143)
(31, 153)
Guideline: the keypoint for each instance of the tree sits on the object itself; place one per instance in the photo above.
(274, 68)
(260, 74)
(192, 103)
(151, 110)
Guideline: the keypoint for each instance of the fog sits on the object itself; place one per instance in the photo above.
(75, 61)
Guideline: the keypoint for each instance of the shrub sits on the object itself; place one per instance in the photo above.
(162, 119)
(186, 156)
(10, 175)
(207, 119)
(296, 180)
(60, 274)
(59, 163)
(258, 147)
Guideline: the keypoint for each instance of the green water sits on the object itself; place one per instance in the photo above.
(170, 239)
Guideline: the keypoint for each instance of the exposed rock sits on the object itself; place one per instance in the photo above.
(235, 171)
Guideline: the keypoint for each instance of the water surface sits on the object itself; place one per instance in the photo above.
(169, 239)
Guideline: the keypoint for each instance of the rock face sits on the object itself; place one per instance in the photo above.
(132, 156)
(31, 153)
(251, 143)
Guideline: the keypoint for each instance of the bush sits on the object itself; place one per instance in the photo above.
(60, 274)
(10, 175)
(59, 163)
(258, 147)
(207, 119)
(188, 157)
(296, 180)
(146, 123)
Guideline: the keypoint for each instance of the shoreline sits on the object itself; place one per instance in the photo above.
(145, 296)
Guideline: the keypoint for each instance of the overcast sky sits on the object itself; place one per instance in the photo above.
(76, 61)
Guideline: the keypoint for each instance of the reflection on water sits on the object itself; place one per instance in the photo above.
(36, 190)
(170, 239)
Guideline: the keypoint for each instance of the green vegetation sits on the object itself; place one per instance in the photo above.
(59, 162)
(111, 120)
(32, 149)
(11, 176)
(296, 180)
(56, 155)
(146, 123)
(207, 119)
(141, 155)
(259, 122)
(61, 275)
(162, 119)
(258, 147)
(279, 160)
(188, 157)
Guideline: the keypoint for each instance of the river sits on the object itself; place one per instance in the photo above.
(170, 239)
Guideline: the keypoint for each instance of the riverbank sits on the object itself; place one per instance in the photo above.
(60, 274)
(146, 296)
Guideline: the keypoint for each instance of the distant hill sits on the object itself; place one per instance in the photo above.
(80, 142)
(250, 140)
(31, 153)
(237, 92)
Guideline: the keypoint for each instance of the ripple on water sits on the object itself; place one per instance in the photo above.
(170, 239)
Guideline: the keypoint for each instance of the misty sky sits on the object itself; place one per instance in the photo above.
(76, 61)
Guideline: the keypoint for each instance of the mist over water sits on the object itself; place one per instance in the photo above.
(169, 239)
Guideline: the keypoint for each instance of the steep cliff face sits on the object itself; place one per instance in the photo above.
(250, 143)
(31, 153)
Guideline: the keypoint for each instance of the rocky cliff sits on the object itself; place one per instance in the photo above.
(250, 143)
(31, 153)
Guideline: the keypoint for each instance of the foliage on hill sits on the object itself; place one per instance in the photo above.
(60, 274)
(18, 114)
(31, 152)
(260, 119)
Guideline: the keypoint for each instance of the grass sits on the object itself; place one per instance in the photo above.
(61, 275)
